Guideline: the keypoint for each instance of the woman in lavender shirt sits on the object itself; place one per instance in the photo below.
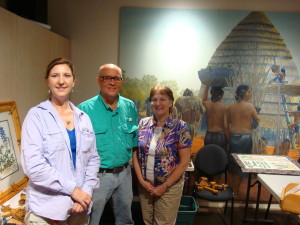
(59, 154)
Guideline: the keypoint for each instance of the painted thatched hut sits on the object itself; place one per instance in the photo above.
(250, 50)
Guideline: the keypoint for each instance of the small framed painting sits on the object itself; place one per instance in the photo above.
(12, 177)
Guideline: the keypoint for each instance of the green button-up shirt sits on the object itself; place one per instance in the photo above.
(116, 131)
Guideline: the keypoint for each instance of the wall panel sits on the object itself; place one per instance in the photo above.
(8, 54)
(33, 55)
(26, 49)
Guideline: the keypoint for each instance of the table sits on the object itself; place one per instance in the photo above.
(275, 184)
(263, 164)
(14, 203)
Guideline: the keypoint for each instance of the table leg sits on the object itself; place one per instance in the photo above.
(268, 208)
(257, 199)
(255, 220)
(247, 197)
(190, 183)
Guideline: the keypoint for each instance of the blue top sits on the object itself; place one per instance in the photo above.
(72, 137)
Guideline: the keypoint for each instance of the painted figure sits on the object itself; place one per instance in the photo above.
(190, 109)
(296, 124)
(216, 120)
(59, 154)
(161, 159)
(284, 147)
(239, 117)
(114, 119)
(279, 75)
(261, 146)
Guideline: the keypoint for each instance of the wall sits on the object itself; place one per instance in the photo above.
(26, 49)
(93, 27)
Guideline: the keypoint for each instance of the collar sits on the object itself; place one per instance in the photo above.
(100, 98)
(47, 105)
(169, 123)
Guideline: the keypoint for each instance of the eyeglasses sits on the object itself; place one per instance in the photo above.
(107, 79)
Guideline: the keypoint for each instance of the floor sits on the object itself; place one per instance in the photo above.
(214, 215)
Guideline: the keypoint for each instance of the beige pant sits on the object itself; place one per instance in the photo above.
(163, 209)
(32, 219)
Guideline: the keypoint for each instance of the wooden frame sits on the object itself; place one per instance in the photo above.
(12, 178)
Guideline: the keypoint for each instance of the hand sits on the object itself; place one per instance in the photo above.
(81, 197)
(148, 186)
(77, 208)
(159, 190)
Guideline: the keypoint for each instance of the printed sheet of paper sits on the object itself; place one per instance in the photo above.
(267, 162)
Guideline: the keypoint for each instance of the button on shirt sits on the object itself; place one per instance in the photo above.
(47, 160)
(116, 131)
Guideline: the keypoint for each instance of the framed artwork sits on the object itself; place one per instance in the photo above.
(12, 178)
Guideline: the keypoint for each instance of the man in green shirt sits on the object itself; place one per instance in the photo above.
(114, 120)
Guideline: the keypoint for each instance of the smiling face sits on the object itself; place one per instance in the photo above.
(60, 81)
(109, 81)
(161, 105)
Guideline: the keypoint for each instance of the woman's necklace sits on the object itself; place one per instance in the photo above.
(60, 112)
(69, 119)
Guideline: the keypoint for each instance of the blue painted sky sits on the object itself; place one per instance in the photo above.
(174, 44)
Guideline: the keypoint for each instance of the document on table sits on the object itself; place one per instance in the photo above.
(271, 162)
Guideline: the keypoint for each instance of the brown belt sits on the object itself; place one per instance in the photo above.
(118, 169)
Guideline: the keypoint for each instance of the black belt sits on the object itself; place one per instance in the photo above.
(118, 169)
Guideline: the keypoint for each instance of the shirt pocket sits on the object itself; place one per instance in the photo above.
(128, 131)
(101, 136)
(86, 143)
(54, 146)
(86, 140)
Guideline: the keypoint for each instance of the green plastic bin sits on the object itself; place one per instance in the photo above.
(187, 210)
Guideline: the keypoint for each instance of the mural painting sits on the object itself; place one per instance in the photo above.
(190, 49)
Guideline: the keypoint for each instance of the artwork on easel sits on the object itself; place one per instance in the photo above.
(8, 158)
(12, 177)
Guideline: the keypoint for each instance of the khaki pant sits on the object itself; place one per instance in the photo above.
(32, 219)
(163, 209)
